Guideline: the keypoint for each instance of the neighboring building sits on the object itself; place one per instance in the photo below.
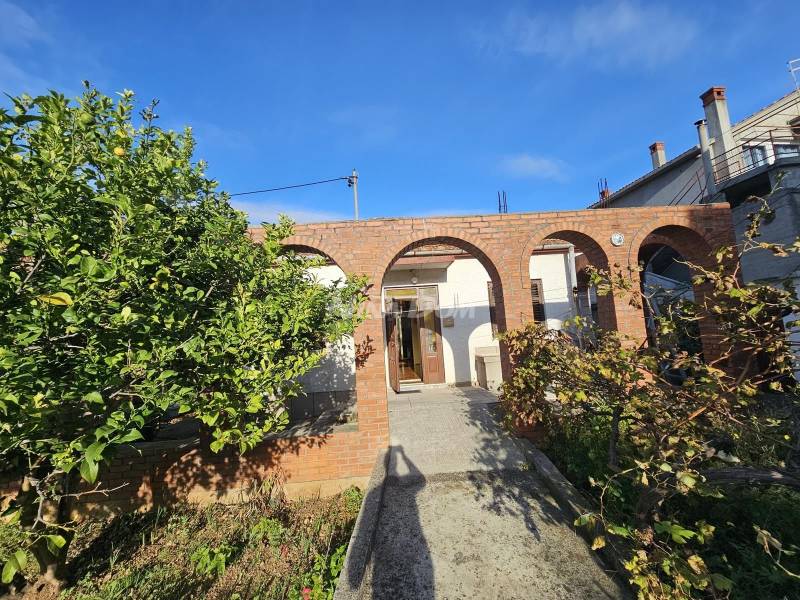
(759, 155)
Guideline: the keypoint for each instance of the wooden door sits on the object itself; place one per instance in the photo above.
(430, 334)
(393, 349)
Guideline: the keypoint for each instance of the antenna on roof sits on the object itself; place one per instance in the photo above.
(502, 203)
(602, 191)
(794, 70)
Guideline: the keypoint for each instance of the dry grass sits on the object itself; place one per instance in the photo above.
(263, 548)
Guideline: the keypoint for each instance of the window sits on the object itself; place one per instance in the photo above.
(787, 150)
(537, 298)
(492, 309)
(754, 156)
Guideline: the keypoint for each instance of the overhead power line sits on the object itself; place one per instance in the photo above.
(299, 185)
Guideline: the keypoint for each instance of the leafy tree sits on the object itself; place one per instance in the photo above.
(675, 441)
(128, 286)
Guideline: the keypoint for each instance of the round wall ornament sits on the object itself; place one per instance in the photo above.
(617, 239)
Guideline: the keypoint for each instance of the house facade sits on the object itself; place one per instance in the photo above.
(444, 307)
(429, 290)
(440, 287)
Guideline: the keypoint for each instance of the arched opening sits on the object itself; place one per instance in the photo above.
(442, 304)
(665, 257)
(330, 387)
(560, 280)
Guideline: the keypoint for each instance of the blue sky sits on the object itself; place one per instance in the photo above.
(438, 105)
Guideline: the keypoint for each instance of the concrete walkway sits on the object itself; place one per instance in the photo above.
(463, 516)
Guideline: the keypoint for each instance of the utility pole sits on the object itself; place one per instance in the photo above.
(352, 181)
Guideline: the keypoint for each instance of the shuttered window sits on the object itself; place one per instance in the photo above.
(492, 309)
(537, 298)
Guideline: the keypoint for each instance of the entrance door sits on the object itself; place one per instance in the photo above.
(430, 333)
(392, 348)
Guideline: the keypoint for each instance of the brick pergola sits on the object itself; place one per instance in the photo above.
(163, 472)
(503, 244)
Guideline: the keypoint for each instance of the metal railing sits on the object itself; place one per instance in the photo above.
(756, 151)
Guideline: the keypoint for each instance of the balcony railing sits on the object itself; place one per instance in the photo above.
(756, 151)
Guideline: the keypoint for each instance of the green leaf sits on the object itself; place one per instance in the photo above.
(721, 582)
(584, 519)
(679, 534)
(88, 470)
(57, 299)
(55, 543)
(12, 515)
(9, 570)
(93, 398)
(95, 451)
(15, 563)
(132, 436)
(619, 530)
(88, 266)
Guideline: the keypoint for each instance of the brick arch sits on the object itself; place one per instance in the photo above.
(459, 238)
(694, 247)
(470, 244)
(476, 248)
(583, 238)
(691, 247)
(681, 233)
(305, 243)
(574, 232)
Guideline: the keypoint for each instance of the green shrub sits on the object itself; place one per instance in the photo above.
(271, 529)
(130, 288)
(666, 442)
(211, 560)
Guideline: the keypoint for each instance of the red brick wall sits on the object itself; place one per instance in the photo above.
(164, 472)
(503, 243)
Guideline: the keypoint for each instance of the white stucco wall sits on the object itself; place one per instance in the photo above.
(463, 295)
(552, 269)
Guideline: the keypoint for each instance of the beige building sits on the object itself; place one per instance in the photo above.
(759, 155)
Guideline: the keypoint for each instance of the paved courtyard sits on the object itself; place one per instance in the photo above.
(462, 515)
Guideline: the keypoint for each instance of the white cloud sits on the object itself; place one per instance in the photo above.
(615, 33)
(18, 27)
(14, 79)
(18, 32)
(258, 212)
(526, 165)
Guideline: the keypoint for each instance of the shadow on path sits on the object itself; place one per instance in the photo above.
(462, 515)
(401, 565)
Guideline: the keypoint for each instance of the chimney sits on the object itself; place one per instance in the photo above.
(657, 154)
(705, 154)
(718, 120)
